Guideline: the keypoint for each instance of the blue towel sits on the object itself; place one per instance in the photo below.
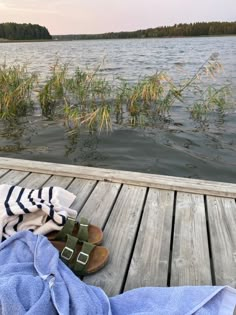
(33, 280)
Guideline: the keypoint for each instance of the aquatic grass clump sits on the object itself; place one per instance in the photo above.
(146, 92)
(53, 91)
(86, 98)
(153, 95)
(81, 97)
(78, 87)
(100, 118)
(87, 88)
(151, 98)
(214, 99)
(16, 86)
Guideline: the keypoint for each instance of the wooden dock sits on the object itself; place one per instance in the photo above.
(160, 230)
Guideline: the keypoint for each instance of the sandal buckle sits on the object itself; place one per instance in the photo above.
(81, 224)
(67, 253)
(71, 219)
(83, 261)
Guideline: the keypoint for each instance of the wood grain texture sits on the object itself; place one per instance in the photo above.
(98, 206)
(60, 181)
(120, 234)
(13, 177)
(82, 188)
(222, 227)
(34, 181)
(190, 259)
(149, 264)
(132, 178)
(3, 171)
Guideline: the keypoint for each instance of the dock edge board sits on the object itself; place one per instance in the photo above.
(197, 186)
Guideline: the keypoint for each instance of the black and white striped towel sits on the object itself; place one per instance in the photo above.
(42, 210)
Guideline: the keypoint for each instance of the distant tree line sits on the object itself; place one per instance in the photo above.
(177, 30)
(14, 31)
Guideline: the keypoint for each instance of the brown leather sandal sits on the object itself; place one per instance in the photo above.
(82, 230)
(82, 258)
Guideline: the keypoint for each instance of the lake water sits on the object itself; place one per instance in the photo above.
(179, 147)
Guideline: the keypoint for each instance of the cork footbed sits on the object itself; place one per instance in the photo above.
(97, 258)
(95, 234)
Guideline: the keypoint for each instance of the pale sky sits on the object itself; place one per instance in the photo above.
(100, 16)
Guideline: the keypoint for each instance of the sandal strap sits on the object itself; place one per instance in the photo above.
(83, 258)
(82, 234)
(68, 251)
(67, 229)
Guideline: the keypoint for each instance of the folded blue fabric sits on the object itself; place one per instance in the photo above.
(33, 280)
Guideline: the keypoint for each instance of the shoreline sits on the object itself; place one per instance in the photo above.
(24, 40)
(83, 39)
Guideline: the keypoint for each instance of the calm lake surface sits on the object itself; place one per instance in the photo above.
(178, 147)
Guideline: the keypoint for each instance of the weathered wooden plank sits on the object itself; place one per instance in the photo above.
(190, 259)
(222, 226)
(34, 181)
(120, 234)
(3, 171)
(82, 188)
(149, 264)
(60, 181)
(132, 178)
(13, 177)
(98, 206)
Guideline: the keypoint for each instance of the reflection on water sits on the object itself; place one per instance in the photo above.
(176, 146)
(171, 149)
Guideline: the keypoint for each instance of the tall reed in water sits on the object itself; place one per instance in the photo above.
(16, 85)
(86, 97)
(53, 91)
